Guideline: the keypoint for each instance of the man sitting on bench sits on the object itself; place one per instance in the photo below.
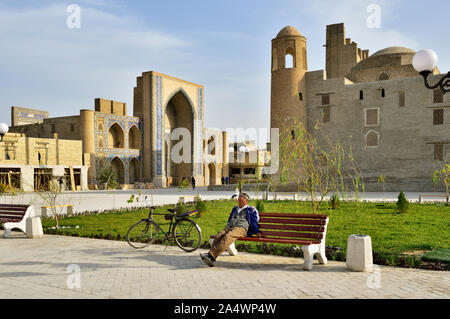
(243, 221)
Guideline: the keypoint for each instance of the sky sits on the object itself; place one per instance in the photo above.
(224, 45)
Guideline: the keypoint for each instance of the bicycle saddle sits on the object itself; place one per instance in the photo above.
(171, 210)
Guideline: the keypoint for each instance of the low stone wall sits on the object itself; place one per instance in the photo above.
(233, 187)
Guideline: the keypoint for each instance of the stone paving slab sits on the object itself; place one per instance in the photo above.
(38, 268)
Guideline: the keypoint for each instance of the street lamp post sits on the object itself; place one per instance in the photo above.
(231, 152)
(424, 62)
(3, 130)
(243, 150)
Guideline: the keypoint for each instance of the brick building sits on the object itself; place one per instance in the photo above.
(397, 128)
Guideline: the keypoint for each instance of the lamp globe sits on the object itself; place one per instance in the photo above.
(425, 61)
(4, 128)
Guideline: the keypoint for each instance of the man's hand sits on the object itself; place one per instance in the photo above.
(259, 235)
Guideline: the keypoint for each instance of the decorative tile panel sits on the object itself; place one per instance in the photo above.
(158, 126)
(125, 154)
(199, 131)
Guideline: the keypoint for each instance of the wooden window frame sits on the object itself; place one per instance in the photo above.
(378, 117)
(435, 117)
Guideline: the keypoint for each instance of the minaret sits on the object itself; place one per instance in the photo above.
(288, 87)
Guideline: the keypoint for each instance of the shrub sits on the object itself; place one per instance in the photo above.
(181, 207)
(184, 184)
(260, 205)
(402, 203)
(107, 175)
(200, 205)
(334, 201)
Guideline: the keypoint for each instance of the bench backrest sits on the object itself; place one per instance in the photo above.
(293, 226)
(10, 213)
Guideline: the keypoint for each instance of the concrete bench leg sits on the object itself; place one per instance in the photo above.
(7, 233)
(232, 250)
(321, 256)
(309, 251)
(308, 255)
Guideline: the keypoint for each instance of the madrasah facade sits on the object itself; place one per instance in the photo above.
(139, 147)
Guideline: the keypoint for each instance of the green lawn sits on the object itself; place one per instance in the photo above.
(424, 227)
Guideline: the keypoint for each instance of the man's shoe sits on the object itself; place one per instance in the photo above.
(207, 260)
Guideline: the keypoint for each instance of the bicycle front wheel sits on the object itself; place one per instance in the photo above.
(187, 234)
(143, 233)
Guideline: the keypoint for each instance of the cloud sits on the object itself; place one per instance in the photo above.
(45, 64)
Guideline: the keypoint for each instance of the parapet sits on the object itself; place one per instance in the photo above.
(110, 107)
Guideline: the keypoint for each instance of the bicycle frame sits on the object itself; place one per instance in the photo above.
(194, 215)
(167, 234)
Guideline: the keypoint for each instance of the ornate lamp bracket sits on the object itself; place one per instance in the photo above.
(444, 82)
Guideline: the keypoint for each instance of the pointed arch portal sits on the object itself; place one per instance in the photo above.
(134, 171)
(178, 114)
(119, 169)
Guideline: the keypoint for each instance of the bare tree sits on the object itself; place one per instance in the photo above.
(317, 167)
(49, 191)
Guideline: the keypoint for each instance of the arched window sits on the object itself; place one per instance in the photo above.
(289, 58)
(383, 76)
(118, 169)
(134, 171)
(372, 139)
(116, 136)
(211, 146)
(134, 139)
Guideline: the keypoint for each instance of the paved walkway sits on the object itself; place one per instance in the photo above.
(39, 268)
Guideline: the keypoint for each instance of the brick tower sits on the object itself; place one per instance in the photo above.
(288, 85)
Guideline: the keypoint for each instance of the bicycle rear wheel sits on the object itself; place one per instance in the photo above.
(143, 233)
(187, 234)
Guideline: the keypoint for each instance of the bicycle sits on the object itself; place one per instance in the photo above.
(185, 231)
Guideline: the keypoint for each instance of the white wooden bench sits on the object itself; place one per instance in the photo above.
(433, 196)
(20, 217)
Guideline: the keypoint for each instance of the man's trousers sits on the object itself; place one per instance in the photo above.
(224, 239)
